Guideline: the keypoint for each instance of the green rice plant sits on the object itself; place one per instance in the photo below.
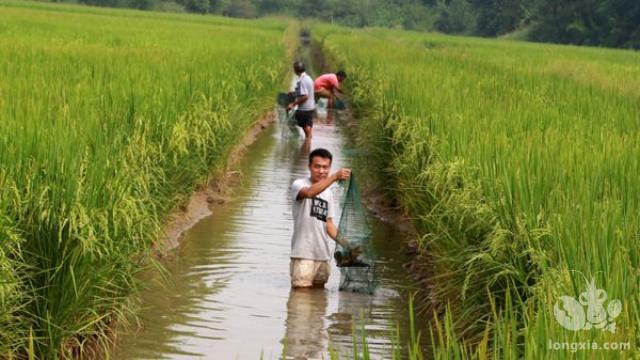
(517, 162)
(110, 118)
(11, 296)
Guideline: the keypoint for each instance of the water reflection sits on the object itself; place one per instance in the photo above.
(314, 325)
(228, 292)
(358, 313)
(306, 335)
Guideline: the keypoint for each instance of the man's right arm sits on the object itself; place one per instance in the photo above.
(298, 101)
(320, 186)
(302, 96)
(336, 87)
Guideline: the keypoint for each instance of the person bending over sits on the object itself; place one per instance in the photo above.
(327, 85)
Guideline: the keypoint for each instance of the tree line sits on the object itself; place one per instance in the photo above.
(610, 23)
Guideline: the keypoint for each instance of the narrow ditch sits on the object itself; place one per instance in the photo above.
(227, 294)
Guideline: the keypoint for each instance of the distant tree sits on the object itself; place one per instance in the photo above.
(430, 3)
(387, 13)
(623, 23)
(217, 6)
(196, 6)
(612, 23)
(497, 17)
(571, 22)
(352, 12)
(322, 9)
(142, 4)
(109, 3)
(457, 17)
(269, 6)
(241, 8)
(418, 17)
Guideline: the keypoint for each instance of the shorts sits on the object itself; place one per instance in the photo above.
(308, 273)
(323, 93)
(304, 118)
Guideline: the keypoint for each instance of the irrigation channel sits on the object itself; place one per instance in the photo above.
(228, 293)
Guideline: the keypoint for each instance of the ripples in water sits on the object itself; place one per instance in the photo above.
(228, 294)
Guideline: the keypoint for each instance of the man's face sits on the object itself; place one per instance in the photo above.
(319, 168)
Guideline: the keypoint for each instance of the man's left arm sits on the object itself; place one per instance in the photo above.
(332, 231)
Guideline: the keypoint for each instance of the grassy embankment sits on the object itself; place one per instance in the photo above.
(519, 164)
(109, 119)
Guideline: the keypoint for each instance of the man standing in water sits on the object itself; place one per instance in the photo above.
(313, 214)
(305, 99)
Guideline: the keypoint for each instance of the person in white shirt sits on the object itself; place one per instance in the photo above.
(305, 99)
(313, 227)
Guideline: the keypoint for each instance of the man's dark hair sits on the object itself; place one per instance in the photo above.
(298, 66)
(341, 74)
(323, 153)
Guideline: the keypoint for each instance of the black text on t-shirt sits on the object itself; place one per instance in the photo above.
(319, 209)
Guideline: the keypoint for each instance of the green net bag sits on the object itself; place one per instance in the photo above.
(284, 99)
(354, 255)
(340, 105)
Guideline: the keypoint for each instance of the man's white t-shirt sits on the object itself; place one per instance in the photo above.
(303, 85)
(310, 238)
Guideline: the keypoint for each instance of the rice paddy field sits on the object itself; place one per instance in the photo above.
(518, 164)
(108, 120)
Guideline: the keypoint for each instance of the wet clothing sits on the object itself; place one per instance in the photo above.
(304, 118)
(306, 273)
(310, 239)
(326, 81)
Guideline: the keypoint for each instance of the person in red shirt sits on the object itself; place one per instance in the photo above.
(327, 85)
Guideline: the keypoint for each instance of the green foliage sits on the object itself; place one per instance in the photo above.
(109, 119)
(610, 23)
(514, 160)
(614, 23)
(196, 6)
(497, 17)
(456, 17)
(240, 8)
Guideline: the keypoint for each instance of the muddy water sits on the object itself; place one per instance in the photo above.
(227, 294)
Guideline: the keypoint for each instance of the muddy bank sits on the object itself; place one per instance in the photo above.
(199, 205)
(216, 192)
(417, 263)
(228, 294)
